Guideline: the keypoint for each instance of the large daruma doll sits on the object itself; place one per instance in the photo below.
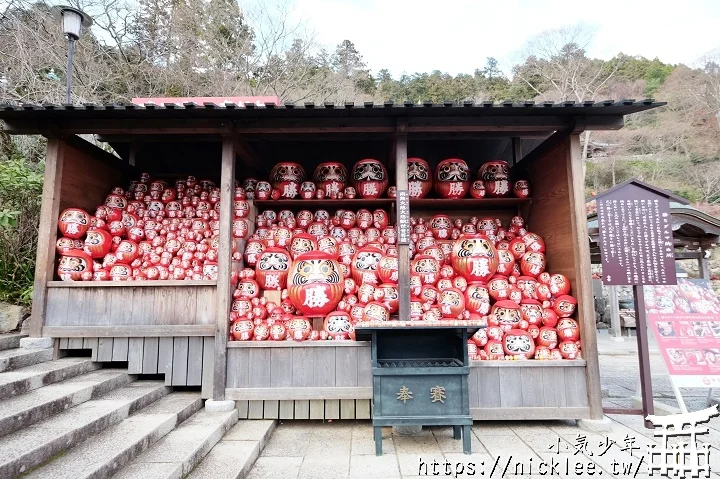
(370, 178)
(452, 178)
(419, 178)
(475, 258)
(287, 178)
(315, 283)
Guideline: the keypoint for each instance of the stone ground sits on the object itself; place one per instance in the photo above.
(345, 449)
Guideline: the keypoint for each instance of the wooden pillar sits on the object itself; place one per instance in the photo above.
(401, 182)
(583, 292)
(47, 232)
(615, 329)
(224, 286)
(704, 266)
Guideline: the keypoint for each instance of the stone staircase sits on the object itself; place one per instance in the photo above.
(71, 418)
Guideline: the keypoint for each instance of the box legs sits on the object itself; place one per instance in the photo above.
(466, 439)
(377, 432)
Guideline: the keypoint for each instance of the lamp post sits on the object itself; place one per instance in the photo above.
(73, 20)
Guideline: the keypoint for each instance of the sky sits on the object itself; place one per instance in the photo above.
(456, 36)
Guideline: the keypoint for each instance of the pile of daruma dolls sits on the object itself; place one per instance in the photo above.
(479, 270)
(368, 179)
(149, 231)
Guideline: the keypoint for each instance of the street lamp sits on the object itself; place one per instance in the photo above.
(72, 22)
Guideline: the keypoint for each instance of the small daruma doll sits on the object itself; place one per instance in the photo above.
(518, 342)
(73, 264)
(364, 265)
(97, 243)
(521, 188)
(452, 178)
(495, 176)
(370, 178)
(568, 330)
(271, 270)
(419, 178)
(506, 314)
(315, 283)
(475, 258)
(452, 303)
(338, 325)
(565, 306)
(74, 223)
(331, 177)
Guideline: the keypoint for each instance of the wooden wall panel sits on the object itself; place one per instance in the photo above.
(183, 360)
(85, 180)
(551, 210)
(325, 365)
(130, 306)
(531, 390)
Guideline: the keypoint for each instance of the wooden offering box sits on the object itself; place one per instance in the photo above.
(181, 329)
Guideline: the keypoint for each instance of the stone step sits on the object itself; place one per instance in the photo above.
(234, 456)
(109, 451)
(25, 449)
(26, 409)
(10, 340)
(20, 381)
(175, 455)
(20, 357)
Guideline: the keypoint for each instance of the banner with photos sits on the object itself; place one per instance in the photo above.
(685, 319)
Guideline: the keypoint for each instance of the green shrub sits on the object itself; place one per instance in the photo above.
(20, 193)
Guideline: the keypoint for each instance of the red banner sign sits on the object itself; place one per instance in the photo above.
(686, 322)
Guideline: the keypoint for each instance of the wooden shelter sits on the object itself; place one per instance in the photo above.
(180, 328)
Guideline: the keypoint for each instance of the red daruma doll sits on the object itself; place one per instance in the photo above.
(315, 283)
(475, 258)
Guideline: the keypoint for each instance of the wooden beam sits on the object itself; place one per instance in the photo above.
(224, 291)
(130, 284)
(297, 393)
(134, 331)
(583, 293)
(384, 124)
(688, 255)
(47, 232)
(556, 139)
(528, 413)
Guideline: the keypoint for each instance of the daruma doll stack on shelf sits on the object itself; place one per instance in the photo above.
(339, 267)
(483, 271)
(368, 179)
(151, 230)
(452, 180)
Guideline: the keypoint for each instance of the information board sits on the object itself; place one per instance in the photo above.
(685, 320)
(636, 239)
(403, 216)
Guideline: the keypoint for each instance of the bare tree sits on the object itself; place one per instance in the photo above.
(557, 68)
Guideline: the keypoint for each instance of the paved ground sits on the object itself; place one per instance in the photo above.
(345, 449)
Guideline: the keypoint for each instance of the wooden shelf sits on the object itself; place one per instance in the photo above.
(529, 363)
(467, 203)
(128, 284)
(298, 344)
(313, 205)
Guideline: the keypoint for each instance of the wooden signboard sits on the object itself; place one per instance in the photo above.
(403, 216)
(636, 248)
(636, 242)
